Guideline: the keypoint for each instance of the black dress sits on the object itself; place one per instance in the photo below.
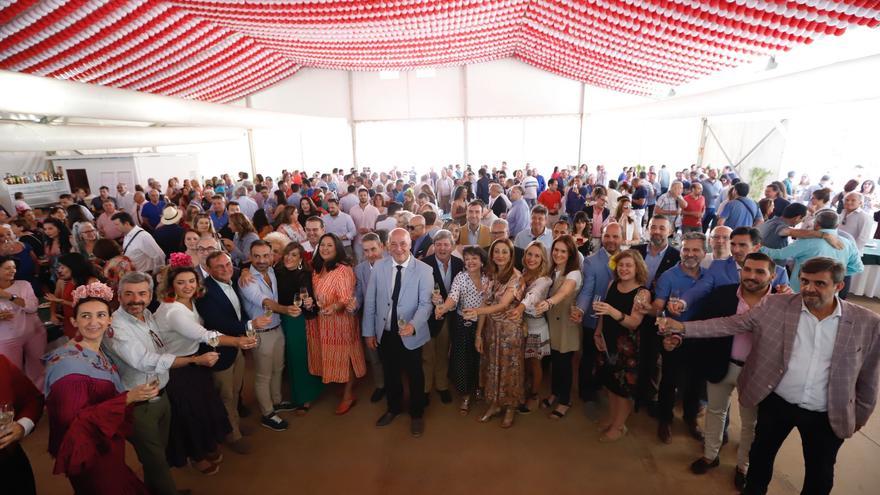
(619, 367)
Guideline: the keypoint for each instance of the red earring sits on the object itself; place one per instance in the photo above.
(110, 332)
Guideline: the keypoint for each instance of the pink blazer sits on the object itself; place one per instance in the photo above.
(855, 362)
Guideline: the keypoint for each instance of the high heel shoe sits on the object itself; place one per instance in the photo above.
(465, 406)
(509, 414)
(345, 406)
(489, 414)
(607, 439)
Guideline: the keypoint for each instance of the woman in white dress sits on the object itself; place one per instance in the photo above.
(198, 418)
(537, 283)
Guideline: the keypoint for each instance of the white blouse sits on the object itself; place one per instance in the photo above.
(181, 328)
(465, 293)
(535, 293)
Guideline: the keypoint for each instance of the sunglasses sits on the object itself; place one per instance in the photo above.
(413, 227)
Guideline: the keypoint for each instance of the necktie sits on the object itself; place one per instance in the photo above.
(395, 294)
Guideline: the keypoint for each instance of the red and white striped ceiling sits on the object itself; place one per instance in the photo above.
(221, 50)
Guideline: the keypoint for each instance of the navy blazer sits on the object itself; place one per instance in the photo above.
(670, 258)
(424, 243)
(456, 266)
(219, 315)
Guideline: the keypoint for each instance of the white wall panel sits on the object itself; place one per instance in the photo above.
(510, 87)
(439, 96)
(377, 98)
(421, 144)
(316, 92)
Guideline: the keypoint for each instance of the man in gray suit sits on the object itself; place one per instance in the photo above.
(396, 311)
(814, 365)
(372, 250)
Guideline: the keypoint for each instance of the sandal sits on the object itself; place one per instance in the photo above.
(301, 410)
(489, 414)
(211, 470)
(610, 439)
(215, 458)
(509, 414)
(547, 403)
(465, 406)
(559, 413)
(345, 406)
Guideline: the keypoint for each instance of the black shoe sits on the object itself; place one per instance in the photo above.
(273, 422)
(427, 399)
(284, 406)
(417, 427)
(523, 409)
(386, 419)
(378, 395)
(445, 396)
(700, 466)
(664, 432)
(739, 479)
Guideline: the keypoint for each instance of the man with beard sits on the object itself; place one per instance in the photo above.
(743, 240)
(597, 275)
(314, 230)
(814, 366)
(260, 297)
(721, 360)
(137, 351)
(659, 256)
(679, 362)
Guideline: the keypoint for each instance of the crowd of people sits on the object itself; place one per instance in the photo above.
(650, 287)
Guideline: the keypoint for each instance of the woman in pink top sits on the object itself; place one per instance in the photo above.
(22, 334)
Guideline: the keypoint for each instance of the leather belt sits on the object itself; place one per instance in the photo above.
(268, 329)
(737, 362)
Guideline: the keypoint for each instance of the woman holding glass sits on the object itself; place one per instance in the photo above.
(336, 354)
(565, 335)
(617, 339)
(536, 284)
(466, 292)
(500, 341)
(89, 410)
(198, 418)
(624, 216)
(295, 289)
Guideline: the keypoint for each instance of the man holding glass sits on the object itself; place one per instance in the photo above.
(261, 297)
(597, 276)
(396, 311)
(140, 355)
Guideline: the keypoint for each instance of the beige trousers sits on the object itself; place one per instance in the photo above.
(435, 360)
(228, 383)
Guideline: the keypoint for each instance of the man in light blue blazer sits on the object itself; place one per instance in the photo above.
(597, 276)
(397, 306)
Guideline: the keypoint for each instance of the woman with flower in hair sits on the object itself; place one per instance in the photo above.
(198, 418)
(89, 409)
(73, 270)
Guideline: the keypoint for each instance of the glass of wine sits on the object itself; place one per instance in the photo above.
(152, 380)
(297, 300)
(7, 414)
(251, 333)
(400, 324)
(661, 320)
(436, 290)
(596, 299)
(214, 341)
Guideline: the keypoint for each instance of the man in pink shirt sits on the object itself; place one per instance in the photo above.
(105, 225)
(364, 216)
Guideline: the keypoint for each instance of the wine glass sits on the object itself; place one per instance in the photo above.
(152, 380)
(436, 290)
(596, 299)
(661, 321)
(214, 341)
(251, 333)
(400, 324)
(7, 414)
(303, 293)
(297, 300)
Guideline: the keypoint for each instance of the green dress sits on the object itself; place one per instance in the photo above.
(304, 387)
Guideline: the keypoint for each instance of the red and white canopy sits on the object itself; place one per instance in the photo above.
(221, 50)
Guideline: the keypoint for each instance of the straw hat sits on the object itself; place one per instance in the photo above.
(170, 215)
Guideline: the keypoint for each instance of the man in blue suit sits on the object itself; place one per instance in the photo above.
(396, 311)
(596, 276)
(222, 311)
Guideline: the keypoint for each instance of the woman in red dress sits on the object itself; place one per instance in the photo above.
(89, 410)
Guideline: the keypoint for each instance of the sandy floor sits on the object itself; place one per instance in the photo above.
(323, 453)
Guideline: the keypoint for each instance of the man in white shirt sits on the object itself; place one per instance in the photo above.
(139, 245)
(247, 205)
(444, 189)
(139, 352)
(124, 198)
(341, 224)
(855, 221)
(530, 188)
